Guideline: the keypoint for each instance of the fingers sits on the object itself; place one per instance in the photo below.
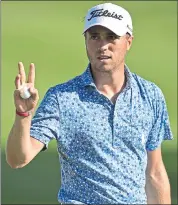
(17, 82)
(34, 93)
(20, 79)
(22, 73)
(31, 75)
(34, 96)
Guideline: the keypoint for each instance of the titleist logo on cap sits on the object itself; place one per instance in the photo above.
(106, 13)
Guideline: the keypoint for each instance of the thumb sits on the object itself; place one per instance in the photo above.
(34, 94)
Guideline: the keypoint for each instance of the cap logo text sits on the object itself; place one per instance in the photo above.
(106, 13)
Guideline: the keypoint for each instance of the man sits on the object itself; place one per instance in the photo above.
(108, 122)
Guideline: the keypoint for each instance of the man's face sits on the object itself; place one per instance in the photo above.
(106, 51)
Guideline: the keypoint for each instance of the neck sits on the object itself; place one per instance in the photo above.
(110, 83)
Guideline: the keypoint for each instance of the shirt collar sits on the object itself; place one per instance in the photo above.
(87, 79)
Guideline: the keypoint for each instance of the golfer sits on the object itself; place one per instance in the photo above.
(108, 122)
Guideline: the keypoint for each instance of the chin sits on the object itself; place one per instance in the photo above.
(104, 68)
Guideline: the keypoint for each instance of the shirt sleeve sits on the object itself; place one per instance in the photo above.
(161, 129)
(45, 123)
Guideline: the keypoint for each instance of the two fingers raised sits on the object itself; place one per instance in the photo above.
(20, 79)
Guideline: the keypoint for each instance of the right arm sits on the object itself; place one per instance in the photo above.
(21, 148)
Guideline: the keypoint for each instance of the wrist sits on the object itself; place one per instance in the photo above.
(23, 114)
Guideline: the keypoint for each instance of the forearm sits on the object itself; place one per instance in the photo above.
(158, 189)
(19, 144)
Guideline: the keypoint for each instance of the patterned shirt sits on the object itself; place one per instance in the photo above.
(102, 146)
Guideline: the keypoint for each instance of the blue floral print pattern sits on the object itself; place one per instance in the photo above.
(102, 146)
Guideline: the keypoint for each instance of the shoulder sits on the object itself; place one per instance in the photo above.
(148, 88)
(66, 87)
(61, 93)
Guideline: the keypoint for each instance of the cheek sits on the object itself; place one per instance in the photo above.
(89, 53)
(91, 50)
(119, 51)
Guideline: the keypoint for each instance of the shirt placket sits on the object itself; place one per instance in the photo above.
(121, 110)
(110, 106)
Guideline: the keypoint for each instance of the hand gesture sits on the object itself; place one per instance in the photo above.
(25, 105)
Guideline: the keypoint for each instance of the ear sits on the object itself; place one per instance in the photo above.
(129, 42)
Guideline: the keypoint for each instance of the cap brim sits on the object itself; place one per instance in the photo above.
(119, 30)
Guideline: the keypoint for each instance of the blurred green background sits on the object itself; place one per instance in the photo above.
(49, 34)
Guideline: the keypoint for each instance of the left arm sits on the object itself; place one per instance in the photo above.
(157, 182)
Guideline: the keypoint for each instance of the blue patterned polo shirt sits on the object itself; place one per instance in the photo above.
(102, 146)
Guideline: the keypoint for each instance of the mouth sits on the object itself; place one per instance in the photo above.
(103, 57)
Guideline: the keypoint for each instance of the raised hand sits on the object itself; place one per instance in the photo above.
(25, 105)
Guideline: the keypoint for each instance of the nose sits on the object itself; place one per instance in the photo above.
(103, 45)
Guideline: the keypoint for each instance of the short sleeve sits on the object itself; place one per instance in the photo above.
(161, 129)
(45, 123)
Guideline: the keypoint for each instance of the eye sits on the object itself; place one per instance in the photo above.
(112, 37)
(94, 37)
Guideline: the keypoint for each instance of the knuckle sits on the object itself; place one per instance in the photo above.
(16, 92)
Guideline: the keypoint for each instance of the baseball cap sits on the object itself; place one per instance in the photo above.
(110, 16)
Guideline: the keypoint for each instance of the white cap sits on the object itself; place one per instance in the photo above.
(111, 16)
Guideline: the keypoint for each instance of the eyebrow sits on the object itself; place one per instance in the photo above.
(97, 33)
(93, 32)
